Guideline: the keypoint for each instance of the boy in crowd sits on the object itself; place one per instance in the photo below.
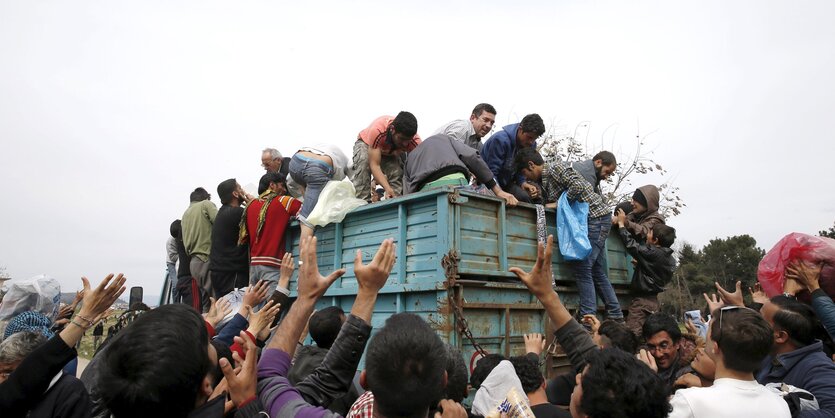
(654, 268)
(642, 213)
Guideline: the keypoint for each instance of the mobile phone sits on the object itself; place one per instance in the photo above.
(135, 296)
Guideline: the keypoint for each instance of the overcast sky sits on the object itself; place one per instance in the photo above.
(111, 112)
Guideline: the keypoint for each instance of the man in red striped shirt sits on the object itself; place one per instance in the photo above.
(263, 227)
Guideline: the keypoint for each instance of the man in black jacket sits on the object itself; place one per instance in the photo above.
(654, 267)
(229, 264)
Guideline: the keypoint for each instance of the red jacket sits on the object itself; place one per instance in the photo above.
(268, 248)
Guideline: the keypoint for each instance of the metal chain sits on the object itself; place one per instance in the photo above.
(464, 328)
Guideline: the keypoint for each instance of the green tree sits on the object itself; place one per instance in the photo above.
(728, 260)
(829, 233)
(722, 260)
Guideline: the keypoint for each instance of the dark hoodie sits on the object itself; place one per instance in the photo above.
(639, 225)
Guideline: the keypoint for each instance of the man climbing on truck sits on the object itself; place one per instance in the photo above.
(500, 151)
(379, 152)
(581, 180)
(442, 161)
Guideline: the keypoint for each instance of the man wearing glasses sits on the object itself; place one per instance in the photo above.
(663, 339)
(271, 160)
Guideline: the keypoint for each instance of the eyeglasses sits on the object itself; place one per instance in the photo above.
(664, 346)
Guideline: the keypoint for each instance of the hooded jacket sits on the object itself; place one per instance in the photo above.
(441, 155)
(499, 152)
(640, 224)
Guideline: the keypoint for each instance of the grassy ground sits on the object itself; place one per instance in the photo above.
(85, 350)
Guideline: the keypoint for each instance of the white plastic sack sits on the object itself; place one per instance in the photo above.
(236, 299)
(336, 200)
(501, 392)
(40, 294)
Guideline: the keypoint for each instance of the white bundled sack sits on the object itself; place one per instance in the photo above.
(336, 200)
(40, 294)
(502, 393)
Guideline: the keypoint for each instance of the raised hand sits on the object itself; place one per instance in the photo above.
(534, 343)
(372, 276)
(757, 294)
(288, 265)
(241, 384)
(256, 294)
(713, 302)
(313, 285)
(96, 301)
(539, 280)
(731, 299)
(219, 309)
(262, 319)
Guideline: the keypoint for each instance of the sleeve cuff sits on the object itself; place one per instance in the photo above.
(283, 290)
(490, 184)
(819, 293)
(210, 329)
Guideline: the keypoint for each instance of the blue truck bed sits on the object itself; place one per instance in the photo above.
(453, 252)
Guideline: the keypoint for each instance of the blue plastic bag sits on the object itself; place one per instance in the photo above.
(573, 229)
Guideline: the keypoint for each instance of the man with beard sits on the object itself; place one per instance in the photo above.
(229, 264)
(581, 180)
(471, 131)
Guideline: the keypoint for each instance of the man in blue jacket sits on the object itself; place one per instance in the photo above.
(500, 150)
(797, 357)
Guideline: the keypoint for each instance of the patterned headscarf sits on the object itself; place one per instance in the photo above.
(29, 321)
(243, 234)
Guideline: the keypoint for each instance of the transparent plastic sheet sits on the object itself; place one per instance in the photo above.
(40, 294)
(336, 200)
(573, 228)
(797, 247)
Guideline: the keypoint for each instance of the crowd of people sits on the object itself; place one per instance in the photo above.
(204, 357)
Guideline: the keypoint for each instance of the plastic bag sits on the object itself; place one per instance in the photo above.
(794, 247)
(501, 392)
(573, 228)
(336, 200)
(40, 294)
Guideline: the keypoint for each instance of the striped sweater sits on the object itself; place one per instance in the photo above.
(269, 247)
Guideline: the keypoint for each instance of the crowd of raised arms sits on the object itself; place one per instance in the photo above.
(196, 358)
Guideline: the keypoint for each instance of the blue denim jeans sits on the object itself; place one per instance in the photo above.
(591, 273)
(313, 174)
